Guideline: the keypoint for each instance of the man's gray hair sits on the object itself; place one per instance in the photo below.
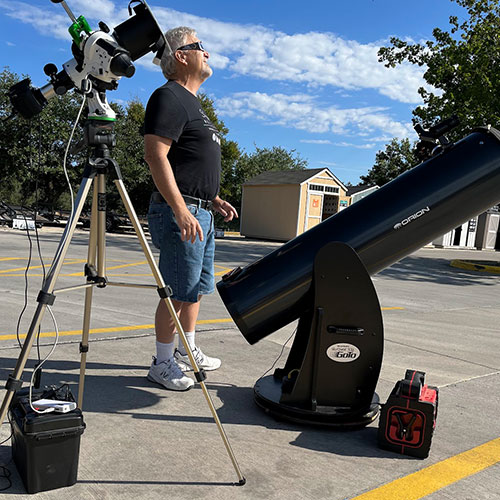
(176, 38)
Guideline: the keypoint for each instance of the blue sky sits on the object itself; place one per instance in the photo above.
(301, 75)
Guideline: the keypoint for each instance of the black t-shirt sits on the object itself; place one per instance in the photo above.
(174, 112)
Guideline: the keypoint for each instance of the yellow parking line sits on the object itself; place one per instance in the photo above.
(392, 308)
(224, 270)
(108, 330)
(437, 476)
(127, 265)
(220, 273)
(208, 321)
(80, 273)
(66, 263)
(12, 272)
(493, 267)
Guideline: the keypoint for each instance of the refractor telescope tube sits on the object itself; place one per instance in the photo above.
(389, 224)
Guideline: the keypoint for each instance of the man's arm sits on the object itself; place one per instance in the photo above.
(225, 209)
(156, 149)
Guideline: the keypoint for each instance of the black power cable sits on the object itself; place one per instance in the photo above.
(39, 171)
(279, 355)
(4, 470)
(25, 305)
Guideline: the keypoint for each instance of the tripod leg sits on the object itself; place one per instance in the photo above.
(200, 375)
(91, 260)
(45, 297)
(101, 225)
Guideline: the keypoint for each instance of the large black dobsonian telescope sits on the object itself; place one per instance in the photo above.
(323, 278)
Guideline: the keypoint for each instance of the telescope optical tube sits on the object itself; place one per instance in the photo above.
(389, 224)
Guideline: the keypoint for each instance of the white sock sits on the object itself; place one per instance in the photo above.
(190, 338)
(164, 351)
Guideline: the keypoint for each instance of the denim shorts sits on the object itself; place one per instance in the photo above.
(188, 268)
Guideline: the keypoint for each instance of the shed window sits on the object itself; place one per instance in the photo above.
(322, 188)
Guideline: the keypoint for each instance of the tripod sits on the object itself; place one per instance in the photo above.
(99, 135)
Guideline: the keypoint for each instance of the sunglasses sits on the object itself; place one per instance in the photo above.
(192, 46)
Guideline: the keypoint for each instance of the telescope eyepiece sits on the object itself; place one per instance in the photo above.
(122, 65)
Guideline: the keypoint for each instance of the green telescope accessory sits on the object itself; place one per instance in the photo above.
(76, 29)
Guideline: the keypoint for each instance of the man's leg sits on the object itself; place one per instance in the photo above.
(205, 285)
(165, 326)
(164, 369)
(188, 317)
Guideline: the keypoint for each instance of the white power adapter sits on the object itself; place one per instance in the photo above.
(58, 406)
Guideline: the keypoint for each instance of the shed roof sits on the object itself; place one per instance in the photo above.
(359, 189)
(288, 176)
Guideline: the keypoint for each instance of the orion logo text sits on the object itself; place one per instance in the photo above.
(416, 215)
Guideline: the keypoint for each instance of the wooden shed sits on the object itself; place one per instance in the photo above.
(279, 205)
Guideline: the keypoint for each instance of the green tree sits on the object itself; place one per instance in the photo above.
(461, 64)
(230, 152)
(32, 151)
(10, 186)
(398, 157)
(129, 153)
(263, 160)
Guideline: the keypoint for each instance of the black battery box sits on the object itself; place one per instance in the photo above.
(45, 447)
(408, 419)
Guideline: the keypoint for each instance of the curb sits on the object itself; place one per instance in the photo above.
(477, 265)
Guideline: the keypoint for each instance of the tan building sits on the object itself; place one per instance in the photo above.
(280, 205)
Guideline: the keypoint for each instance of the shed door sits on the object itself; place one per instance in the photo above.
(314, 210)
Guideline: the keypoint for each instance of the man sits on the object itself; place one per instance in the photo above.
(182, 149)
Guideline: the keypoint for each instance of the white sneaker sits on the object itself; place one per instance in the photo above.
(201, 359)
(169, 375)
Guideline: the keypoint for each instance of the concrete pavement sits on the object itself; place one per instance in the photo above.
(143, 442)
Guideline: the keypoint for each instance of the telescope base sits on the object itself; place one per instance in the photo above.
(267, 394)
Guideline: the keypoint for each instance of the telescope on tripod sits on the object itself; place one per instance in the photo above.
(100, 59)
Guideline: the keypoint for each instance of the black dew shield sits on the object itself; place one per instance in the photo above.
(389, 224)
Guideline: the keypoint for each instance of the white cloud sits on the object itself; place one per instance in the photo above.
(303, 112)
(96, 9)
(315, 59)
(53, 19)
(45, 21)
(121, 102)
(388, 138)
(10, 44)
(316, 141)
(344, 144)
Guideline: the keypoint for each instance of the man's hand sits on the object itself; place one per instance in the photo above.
(225, 209)
(188, 225)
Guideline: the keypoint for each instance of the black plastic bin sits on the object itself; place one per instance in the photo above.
(45, 447)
